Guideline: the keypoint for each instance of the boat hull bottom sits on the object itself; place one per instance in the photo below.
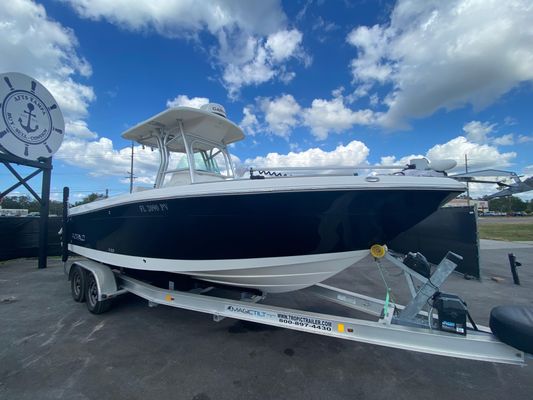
(269, 275)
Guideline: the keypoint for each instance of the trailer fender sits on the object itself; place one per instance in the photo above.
(104, 276)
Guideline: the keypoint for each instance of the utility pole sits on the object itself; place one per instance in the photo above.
(467, 184)
(131, 169)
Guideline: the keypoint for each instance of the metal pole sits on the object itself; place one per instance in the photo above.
(131, 169)
(467, 184)
(514, 264)
(64, 232)
(45, 208)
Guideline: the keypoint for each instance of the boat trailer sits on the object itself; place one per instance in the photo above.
(403, 327)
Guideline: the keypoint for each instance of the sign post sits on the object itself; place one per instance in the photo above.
(31, 131)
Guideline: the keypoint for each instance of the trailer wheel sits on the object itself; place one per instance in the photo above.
(94, 305)
(78, 283)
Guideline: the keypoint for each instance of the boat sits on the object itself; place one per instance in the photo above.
(268, 231)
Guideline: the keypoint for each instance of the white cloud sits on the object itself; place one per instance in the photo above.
(252, 72)
(184, 100)
(79, 129)
(374, 100)
(477, 131)
(325, 116)
(510, 121)
(479, 155)
(254, 44)
(37, 46)
(249, 122)
(286, 76)
(524, 139)
(177, 18)
(281, 114)
(324, 26)
(338, 91)
(260, 60)
(392, 160)
(504, 140)
(73, 98)
(479, 190)
(372, 45)
(284, 44)
(102, 159)
(448, 54)
(354, 153)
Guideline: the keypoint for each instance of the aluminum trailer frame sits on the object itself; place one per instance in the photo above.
(408, 331)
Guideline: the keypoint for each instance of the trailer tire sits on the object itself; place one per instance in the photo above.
(78, 283)
(94, 305)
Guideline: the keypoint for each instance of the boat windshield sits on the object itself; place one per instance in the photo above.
(212, 160)
(206, 161)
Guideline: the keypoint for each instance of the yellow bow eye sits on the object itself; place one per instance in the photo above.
(378, 251)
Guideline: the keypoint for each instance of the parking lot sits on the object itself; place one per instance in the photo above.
(53, 348)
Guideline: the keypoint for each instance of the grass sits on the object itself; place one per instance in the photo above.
(510, 232)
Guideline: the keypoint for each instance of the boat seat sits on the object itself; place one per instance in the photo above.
(513, 325)
(183, 178)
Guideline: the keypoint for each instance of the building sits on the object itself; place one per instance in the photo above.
(13, 212)
(481, 205)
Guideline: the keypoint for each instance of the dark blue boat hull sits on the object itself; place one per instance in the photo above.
(254, 225)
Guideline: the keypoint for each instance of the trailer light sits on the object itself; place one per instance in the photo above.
(169, 298)
(340, 327)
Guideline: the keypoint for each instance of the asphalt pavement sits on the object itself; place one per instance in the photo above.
(53, 348)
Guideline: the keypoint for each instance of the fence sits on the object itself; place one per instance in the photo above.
(449, 229)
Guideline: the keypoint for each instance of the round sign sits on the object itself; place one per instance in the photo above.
(31, 123)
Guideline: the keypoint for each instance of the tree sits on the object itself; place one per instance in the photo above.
(56, 207)
(90, 198)
(17, 202)
(32, 205)
(508, 204)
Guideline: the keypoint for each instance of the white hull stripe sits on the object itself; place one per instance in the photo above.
(199, 266)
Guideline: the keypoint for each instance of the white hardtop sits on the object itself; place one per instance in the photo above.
(202, 124)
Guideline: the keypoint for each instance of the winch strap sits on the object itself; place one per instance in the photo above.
(386, 305)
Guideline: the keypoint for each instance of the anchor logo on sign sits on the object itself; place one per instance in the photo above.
(30, 114)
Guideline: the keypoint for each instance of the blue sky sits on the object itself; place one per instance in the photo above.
(311, 82)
